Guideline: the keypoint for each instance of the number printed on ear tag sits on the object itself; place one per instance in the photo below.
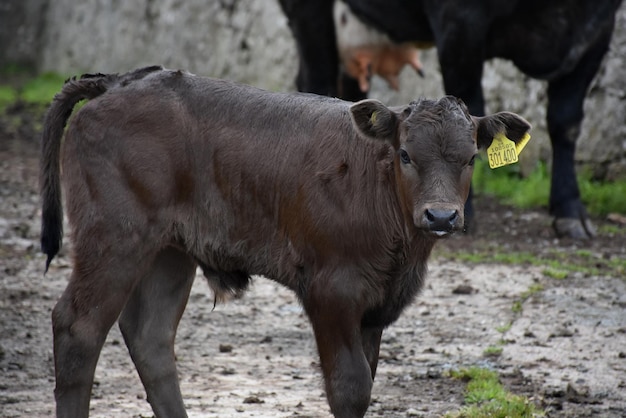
(502, 151)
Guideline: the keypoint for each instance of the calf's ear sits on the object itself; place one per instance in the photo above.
(374, 120)
(511, 125)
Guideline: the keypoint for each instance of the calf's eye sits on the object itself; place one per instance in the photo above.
(471, 162)
(404, 157)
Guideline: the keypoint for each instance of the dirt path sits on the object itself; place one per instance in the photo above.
(255, 357)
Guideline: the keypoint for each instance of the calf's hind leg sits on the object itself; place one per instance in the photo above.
(95, 296)
(149, 322)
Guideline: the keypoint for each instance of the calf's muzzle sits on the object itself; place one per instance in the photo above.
(442, 222)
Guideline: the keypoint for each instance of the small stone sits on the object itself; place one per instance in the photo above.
(225, 348)
(253, 399)
(463, 289)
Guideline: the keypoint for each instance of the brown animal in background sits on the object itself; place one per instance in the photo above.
(365, 51)
(164, 171)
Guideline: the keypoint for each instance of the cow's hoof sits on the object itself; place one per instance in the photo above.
(574, 228)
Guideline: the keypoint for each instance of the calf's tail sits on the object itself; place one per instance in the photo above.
(87, 86)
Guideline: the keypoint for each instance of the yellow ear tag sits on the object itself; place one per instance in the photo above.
(373, 117)
(501, 152)
(522, 143)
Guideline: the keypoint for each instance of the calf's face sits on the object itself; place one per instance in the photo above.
(435, 143)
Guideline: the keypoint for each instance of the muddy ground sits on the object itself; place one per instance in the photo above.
(255, 357)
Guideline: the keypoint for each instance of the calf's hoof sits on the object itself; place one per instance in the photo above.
(574, 228)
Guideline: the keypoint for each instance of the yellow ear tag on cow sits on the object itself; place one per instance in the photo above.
(522, 143)
(501, 152)
(373, 117)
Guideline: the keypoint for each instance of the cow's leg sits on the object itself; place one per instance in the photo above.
(463, 79)
(149, 322)
(95, 296)
(370, 337)
(565, 114)
(349, 88)
(461, 49)
(336, 319)
(313, 28)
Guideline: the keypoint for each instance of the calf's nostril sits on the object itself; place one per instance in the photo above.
(441, 219)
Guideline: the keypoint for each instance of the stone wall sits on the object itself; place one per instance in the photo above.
(21, 28)
(248, 41)
(244, 40)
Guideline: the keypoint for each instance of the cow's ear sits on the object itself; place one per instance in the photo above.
(511, 125)
(374, 120)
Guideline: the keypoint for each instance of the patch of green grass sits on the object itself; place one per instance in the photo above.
(618, 265)
(584, 253)
(514, 258)
(517, 307)
(602, 198)
(599, 197)
(612, 230)
(474, 257)
(24, 99)
(532, 191)
(42, 88)
(532, 289)
(487, 398)
(556, 262)
(491, 256)
(8, 95)
(39, 90)
(555, 273)
(493, 351)
(504, 328)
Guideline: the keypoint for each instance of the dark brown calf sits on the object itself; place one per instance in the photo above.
(164, 171)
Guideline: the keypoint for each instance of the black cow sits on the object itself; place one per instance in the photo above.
(561, 41)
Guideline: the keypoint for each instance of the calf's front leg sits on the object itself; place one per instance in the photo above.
(348, 378)
(370, 337)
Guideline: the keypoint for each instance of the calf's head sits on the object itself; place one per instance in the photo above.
(435, 145)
